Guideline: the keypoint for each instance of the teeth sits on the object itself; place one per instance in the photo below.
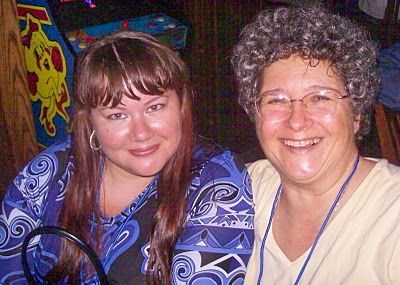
(301, 143)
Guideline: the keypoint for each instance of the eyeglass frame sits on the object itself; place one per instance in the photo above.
(290, 101)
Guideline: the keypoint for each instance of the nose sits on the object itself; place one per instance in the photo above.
(140, 129)
(299, 118)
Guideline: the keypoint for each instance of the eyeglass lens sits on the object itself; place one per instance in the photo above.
(318, 104)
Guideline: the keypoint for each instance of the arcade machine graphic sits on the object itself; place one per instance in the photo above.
(54, 32)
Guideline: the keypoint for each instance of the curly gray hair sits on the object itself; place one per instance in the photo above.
(316, 35)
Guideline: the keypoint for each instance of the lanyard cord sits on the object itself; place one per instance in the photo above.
(278, 192)
(332, 209)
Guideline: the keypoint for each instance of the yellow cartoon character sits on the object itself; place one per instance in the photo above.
(46, 70)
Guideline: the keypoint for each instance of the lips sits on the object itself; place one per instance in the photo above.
(144, 150)
(301, 143)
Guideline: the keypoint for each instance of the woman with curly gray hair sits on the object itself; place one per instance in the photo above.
(324, 214)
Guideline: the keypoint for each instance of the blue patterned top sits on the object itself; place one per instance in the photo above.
(214, 247)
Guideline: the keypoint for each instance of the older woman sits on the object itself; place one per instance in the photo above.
(324, 214)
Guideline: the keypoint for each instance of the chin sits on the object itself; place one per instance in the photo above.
(308, 173)
(147, 171)
(301, 172)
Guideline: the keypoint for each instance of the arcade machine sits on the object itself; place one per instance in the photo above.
(54, 32)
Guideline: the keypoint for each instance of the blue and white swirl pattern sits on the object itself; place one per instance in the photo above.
(34, 181)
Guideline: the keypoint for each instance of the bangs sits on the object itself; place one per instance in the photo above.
(125, 67)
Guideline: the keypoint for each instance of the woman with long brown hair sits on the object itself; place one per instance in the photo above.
(132, 181)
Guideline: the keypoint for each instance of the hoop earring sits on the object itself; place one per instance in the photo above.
(91, 142)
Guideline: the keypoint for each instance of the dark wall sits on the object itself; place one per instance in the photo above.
(214, 27)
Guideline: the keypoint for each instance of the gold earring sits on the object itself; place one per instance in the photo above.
(91, 143)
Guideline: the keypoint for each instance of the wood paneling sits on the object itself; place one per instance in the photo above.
(214, 27)
(18, 139)
(388, 125)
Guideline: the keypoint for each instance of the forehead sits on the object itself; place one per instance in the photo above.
(295, 73)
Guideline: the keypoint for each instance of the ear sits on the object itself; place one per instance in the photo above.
(356, 123)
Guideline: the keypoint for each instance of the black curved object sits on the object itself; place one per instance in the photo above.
(63, 233)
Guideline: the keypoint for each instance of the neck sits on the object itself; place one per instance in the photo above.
(305, 195)
(119, 188)
(301, 213)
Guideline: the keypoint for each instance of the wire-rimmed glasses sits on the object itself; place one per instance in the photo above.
(318, 104)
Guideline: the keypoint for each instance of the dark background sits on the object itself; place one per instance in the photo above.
(213, 30)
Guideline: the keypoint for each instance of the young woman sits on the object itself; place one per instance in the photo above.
(132, 181)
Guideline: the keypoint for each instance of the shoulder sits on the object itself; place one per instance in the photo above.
(218, 234)
(390, 169)
(212, 164)
(207, 150)
(261, 167)
(218, 175)
(383, 182)
(265, 179)
(48, 162)
(62, 145)
(38, 177)
(262, 171)
(384, 173)
(49, 159)
(52, 156)
(380, 190)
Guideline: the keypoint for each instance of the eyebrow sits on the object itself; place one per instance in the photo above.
(321, 88)
(109, 108)
(150, 101)
(273, 92)
(157, 97)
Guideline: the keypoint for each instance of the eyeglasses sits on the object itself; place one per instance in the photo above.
(317, 104)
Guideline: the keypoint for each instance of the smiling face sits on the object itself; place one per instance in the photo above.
(302, 147)
(138, 137)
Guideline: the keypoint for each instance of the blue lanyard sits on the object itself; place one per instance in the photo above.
(328, 216)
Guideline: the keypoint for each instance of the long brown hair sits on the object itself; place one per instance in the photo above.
(111, 68)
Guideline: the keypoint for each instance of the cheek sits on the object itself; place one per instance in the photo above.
(265, 130)
(172, 129)
(109, 135)
(346, 123)
(348, 120)
(168, 127)
(179, 133)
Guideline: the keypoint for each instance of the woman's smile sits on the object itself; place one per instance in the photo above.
(301, 143)
(144, 150)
